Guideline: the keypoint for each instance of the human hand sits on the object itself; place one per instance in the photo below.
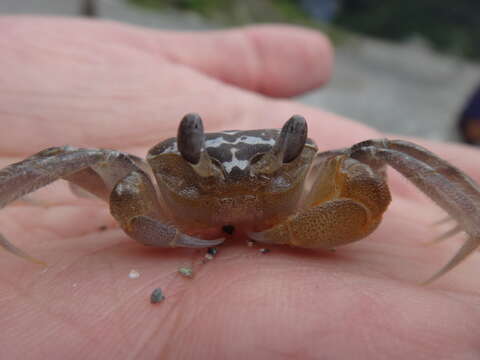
(101, 84)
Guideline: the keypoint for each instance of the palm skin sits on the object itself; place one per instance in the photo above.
(107, 85)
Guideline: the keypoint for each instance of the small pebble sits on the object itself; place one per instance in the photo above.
(264, 251)
(133, 274)
(157, 296)
(186, 272)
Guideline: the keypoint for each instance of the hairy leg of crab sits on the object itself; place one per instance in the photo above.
(451, 189)
(87, 183)
(134, 204)
(65, 162)
(345, 204)
(100, 178)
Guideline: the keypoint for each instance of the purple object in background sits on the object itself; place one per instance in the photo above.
(469, 119)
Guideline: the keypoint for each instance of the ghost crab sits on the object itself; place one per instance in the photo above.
(270, 185)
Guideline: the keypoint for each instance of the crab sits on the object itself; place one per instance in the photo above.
(272, 186)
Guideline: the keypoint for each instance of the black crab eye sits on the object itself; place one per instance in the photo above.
(292, 138)
(191, 138)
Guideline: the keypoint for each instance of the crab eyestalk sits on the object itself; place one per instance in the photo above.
(288, 146)
(191, 144)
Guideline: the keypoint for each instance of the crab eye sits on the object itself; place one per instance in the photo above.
(190, 138)
(288, 146)
(291, 140)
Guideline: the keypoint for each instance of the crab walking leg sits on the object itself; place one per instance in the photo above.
(134, 204)
(8, 246)
(36, 171)
(451, 189)
(100, 178)
(345, 204)
(86, 183)
(43, 168)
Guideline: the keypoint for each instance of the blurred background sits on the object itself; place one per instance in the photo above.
(404, 67)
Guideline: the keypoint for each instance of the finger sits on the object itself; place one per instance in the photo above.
(273, 60)
(102, 84)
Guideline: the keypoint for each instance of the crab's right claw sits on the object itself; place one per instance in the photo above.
(134, 204)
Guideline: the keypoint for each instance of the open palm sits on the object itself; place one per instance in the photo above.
(105, 85)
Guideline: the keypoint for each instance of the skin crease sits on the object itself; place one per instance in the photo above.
(103, 84)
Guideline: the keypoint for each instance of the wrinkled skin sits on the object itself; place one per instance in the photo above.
(107, 85)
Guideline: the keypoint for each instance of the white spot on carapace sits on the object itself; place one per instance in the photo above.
(229, 165)
(250, 140)
(171, 149)
(220, 140)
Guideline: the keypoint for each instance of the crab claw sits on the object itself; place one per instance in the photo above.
(8, 246)
(257, 236)
(184, 240)
(265, 237)
(152, 232)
